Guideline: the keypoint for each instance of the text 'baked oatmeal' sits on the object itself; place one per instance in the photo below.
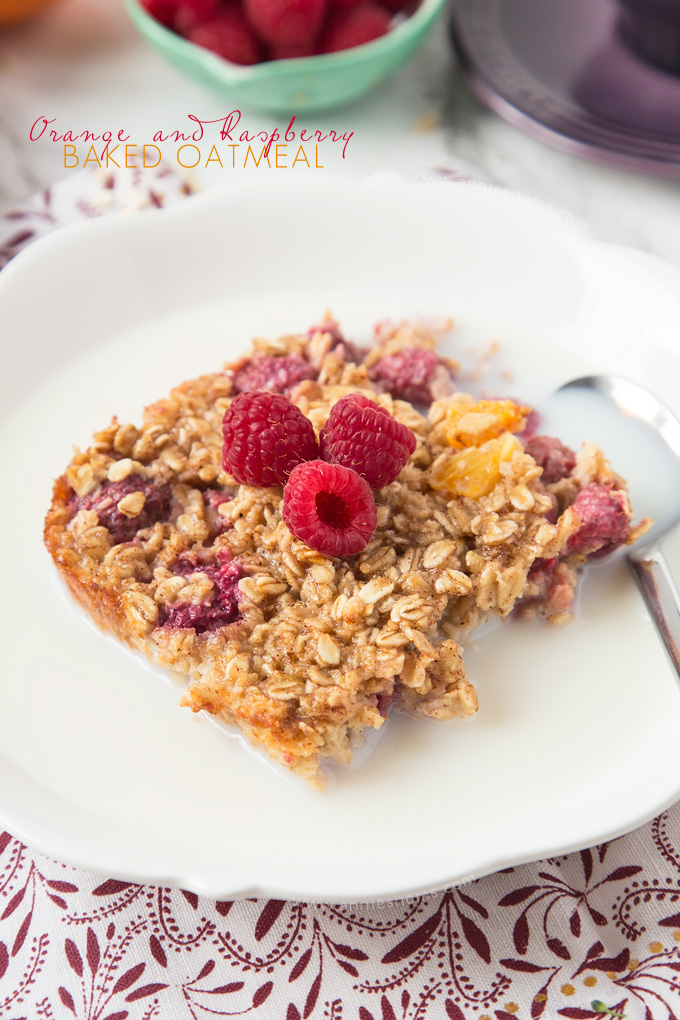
(310, 534)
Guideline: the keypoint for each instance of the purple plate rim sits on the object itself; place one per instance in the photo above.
(663, 161)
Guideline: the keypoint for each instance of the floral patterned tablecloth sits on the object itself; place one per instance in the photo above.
(591, 934)
(543, 940)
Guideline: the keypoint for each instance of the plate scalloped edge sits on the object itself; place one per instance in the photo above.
(48, 832)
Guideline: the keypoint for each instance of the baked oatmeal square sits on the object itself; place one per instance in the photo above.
(310, 535)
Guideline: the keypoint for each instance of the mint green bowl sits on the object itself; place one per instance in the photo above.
(300, 84)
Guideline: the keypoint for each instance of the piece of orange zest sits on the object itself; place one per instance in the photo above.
(474, 424)
(476, 471)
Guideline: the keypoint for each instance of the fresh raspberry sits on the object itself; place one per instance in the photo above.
(354, 26)
(265, 436)
(330, 507)
(604, 517)
(362, 435)
(286, 22)
(414, 373)
(229, 36)
(191, 13)
(556, 459)
(163, 11)
(221, 609)
(104, 501)
(278, 374)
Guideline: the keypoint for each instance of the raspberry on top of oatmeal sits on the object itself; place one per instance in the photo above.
(310, 535)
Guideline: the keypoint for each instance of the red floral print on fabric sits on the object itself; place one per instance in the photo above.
(543, 940)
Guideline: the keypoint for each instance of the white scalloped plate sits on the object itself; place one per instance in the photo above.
(576, 739)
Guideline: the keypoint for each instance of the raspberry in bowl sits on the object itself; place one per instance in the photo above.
(349, 49)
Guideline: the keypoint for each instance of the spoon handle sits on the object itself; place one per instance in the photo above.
(652, 574)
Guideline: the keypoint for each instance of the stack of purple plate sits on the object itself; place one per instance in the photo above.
(598, 78)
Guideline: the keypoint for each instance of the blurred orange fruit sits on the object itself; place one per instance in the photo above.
(16, 10)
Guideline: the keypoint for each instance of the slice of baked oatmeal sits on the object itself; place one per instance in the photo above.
(301, 648)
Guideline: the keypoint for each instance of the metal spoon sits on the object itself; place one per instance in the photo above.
(646, 559)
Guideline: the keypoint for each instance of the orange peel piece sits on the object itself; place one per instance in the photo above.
(476, 470)
(474, 424)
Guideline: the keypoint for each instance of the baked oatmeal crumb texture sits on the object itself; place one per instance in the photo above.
(301, 650)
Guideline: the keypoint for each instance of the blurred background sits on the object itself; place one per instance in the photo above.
(85, 64)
